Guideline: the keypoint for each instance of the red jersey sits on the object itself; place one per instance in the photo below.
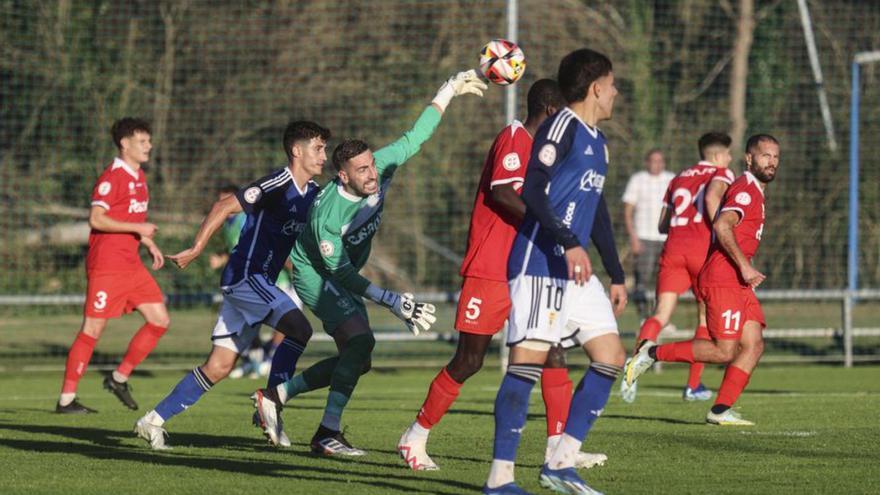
(492, 229)
(746, 198)
(122, 191)
(689, 231)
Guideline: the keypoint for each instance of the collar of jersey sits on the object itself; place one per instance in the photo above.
(754, 180)
(347, 195)
(119, 163)
(593, 131)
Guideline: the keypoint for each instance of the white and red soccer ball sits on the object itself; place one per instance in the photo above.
(502, 62)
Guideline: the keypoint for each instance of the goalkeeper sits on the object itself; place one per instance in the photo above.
(328, 256)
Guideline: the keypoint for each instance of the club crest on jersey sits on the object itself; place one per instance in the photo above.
(104, 188)
(547, 155)
(511, 162)
(252, 194)
(326, 248)
(743, 198)
(131, 188)
(592, 181)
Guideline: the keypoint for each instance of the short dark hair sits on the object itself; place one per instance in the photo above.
(651, 152)
(228, 189)
(300, 130)
(126, 127)
(347, 150)
(712, 139)
(544, 94)
(578, 70)
(756, 139)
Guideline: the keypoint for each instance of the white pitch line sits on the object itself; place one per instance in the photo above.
(780, 433)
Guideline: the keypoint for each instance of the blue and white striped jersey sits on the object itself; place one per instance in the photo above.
(562, 192)
(276, 214)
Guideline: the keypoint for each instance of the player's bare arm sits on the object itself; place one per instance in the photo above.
(635, 245)
(714, 195)
(99, 220)
(155, 252)
(724, 232)
(505, 196)
(218, 214)
(665, 218)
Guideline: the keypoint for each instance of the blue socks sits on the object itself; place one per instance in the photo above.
(590, 398)
(284, 361)
(186, 393)
(511, 407)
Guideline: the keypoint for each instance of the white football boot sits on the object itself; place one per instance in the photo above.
(727, 418)
(582, 460)
(152, 433)
(639, 363)
(628, 392)
(267, 410)
(413, 451)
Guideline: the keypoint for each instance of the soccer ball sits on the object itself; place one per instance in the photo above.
(502, 62)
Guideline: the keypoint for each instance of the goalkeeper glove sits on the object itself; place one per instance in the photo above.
(417, 316)
(457, 85)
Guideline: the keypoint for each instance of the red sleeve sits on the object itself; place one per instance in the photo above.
(667, 197)
(511, 156)
(739, 200)
(107, 191)
(725, 175)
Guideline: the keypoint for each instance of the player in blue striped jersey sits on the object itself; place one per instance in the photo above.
(277, 207)
(555, 296)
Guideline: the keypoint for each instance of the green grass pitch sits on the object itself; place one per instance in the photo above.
(816, 432)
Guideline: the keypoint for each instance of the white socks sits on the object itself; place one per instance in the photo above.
(66, 399)
(417, 433)
(119, 377)
(153, 418)
(282, 393)
(565, 453)
(501, 473)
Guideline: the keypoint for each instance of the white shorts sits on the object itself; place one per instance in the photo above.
(245, 306)
(558, 311)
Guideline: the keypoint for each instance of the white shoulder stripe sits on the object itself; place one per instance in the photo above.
(560, 129)
(555, 125)
(276, 182)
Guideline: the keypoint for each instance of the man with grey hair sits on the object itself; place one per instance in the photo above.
(642, 202)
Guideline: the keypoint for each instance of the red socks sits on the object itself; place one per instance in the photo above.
(677, 352)
(77, 360)
(556, 389)
(735, 380)
(441, 395)
(650, 330)
(696, 372)
(143, 342)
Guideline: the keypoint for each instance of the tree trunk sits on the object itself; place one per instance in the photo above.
(740, 73)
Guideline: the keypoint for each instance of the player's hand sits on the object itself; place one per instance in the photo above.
(618, 298)
(462, 83)
(217, 261)
(146, 230)
(635, 246)
(579, 268)
(418, 316)
(185, 257)
(751, 276)
(156, 253)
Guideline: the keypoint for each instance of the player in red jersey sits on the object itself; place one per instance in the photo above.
(484, 303)
(691, 202)
(118, 282)
(727, 284)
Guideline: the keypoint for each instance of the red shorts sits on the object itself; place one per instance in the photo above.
(678, 273)
(112, 294)
(483, 306)
(728, 309)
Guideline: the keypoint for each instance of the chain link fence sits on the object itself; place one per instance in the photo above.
(219, 80)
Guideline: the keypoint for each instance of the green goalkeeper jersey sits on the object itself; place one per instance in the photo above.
(337, 239)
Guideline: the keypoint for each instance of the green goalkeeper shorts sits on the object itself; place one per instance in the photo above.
(332, 304)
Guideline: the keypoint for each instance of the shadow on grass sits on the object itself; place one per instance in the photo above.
(654, 418)
(104, 444)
